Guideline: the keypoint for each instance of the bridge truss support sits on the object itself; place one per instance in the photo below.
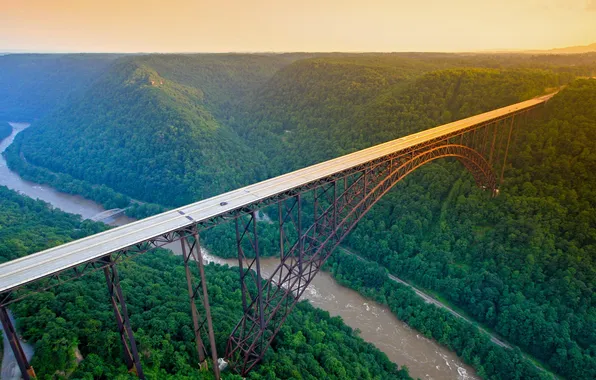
(27, 371)
(131, 354)
(191, 251)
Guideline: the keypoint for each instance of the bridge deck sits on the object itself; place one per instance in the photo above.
(30, 268)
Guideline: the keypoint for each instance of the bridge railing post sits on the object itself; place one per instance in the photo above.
(11, 335)
(131, 355)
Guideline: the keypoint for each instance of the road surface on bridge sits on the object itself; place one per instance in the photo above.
(30, 268)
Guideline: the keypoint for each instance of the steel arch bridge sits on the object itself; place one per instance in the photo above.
(316, 209)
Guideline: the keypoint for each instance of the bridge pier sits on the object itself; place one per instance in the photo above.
(11, 334)
(131, 355)
(252, 304)
(191, 251)
(506, 149)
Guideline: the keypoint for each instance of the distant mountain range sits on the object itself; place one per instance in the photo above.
(566, 50)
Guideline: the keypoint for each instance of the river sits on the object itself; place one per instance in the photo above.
(425, 358)
(73, 204)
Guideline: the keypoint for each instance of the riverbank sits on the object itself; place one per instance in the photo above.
(470, 343)
(60, 184)
(74, 204)
(432, 299)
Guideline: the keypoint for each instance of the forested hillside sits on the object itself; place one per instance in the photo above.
(145, 136)
(320, 110)
(226, 80)
(76, 316)
(522, 263)
(32, 85)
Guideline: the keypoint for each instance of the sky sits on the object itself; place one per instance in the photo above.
(293, 25)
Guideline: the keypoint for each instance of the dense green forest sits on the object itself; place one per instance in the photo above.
(5, 130)
(174, 129)
(147, 129)
(523, 263)
(32, 85)
(76, 316)
(225, 79)
(338, 117)
(416, 234)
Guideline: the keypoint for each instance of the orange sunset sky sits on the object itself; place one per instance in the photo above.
(297, 25)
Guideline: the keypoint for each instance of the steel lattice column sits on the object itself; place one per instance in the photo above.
(506, 150)
(191, 250)
(11, 335)
(251, 285)
(131, 355)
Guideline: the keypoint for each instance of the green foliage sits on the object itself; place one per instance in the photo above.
(63, 182)
(77, 315)
(172, 129)
(225, 79)
(319, 111)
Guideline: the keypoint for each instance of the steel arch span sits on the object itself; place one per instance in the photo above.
(315, 208)
(266, 310)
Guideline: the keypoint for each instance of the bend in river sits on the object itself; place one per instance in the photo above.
(73, 204)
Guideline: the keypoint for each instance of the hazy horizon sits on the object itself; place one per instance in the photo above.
(265, 26)
(503, 50)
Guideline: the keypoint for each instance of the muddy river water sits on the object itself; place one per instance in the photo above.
(425, 358)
